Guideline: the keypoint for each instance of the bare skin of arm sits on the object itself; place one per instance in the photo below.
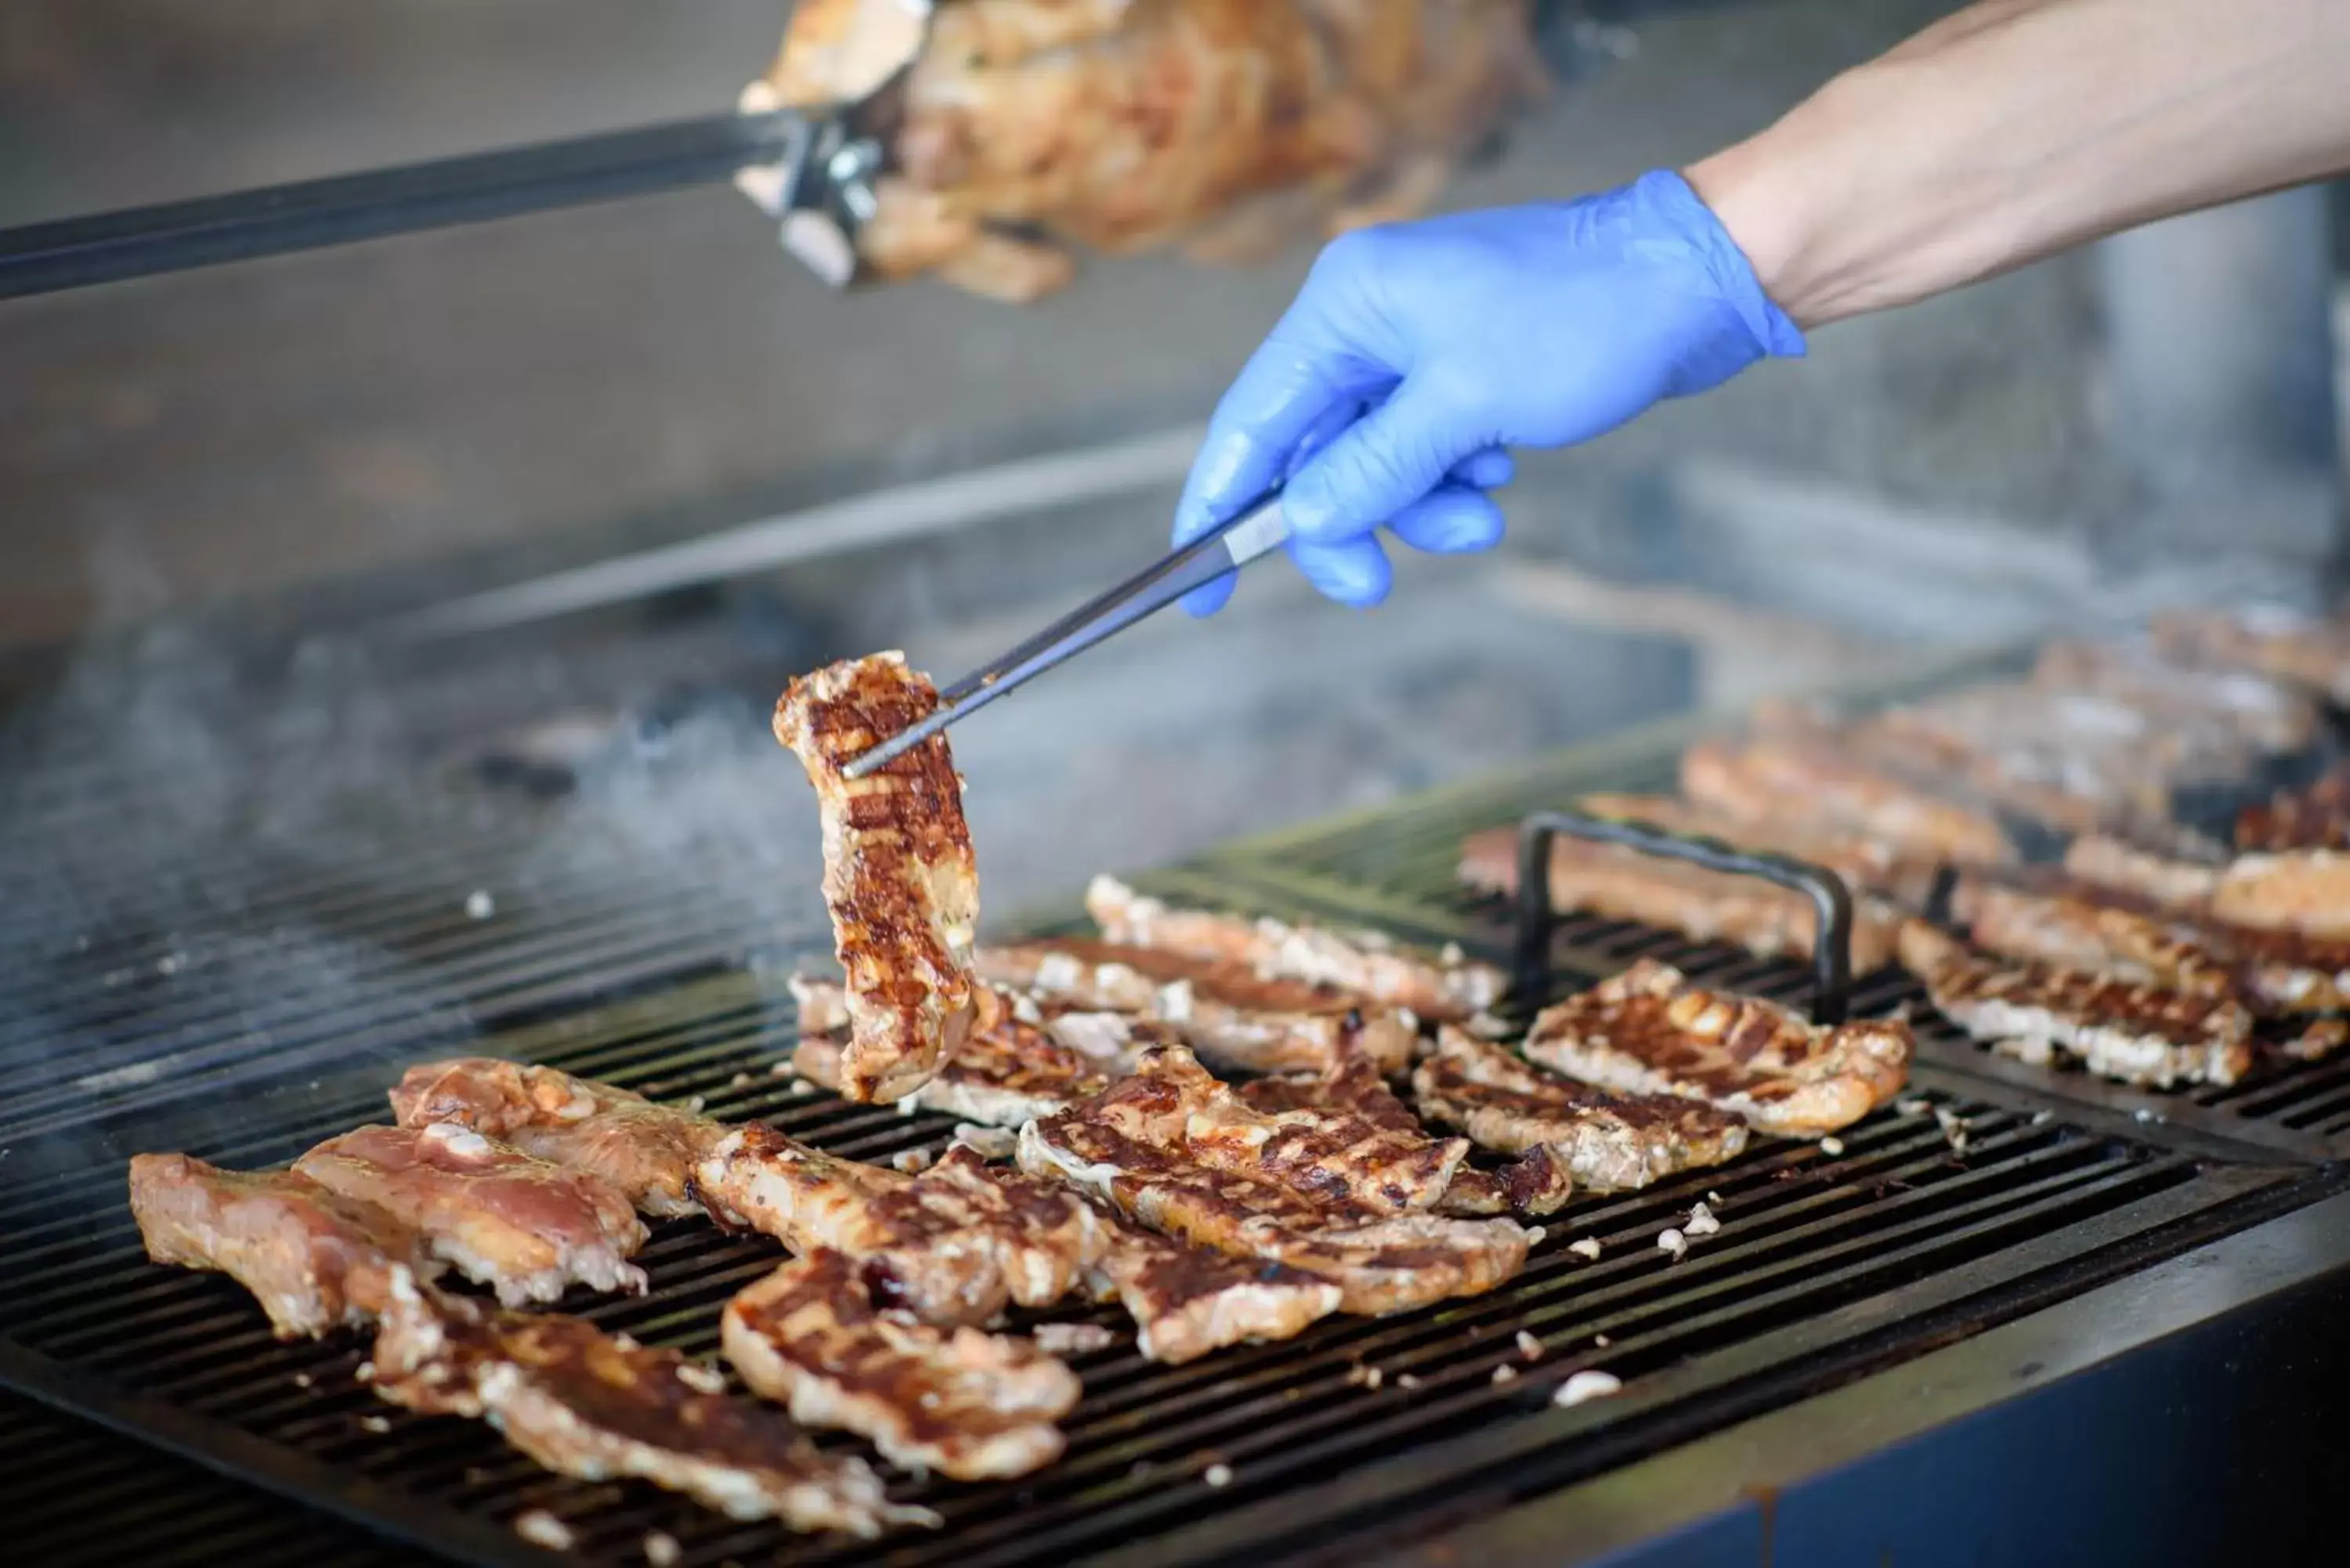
(2014, 128)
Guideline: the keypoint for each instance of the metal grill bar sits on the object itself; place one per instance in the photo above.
(1806, 1240)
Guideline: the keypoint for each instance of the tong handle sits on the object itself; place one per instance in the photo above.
(1831, 901)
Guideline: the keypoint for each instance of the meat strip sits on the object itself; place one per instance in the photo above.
(1867, 865)
(521, 1225)
(1608, 1142)
(1381, 1263)
(1187, 1300)
(1223, 1009)
(2070, 929)
(2160, 880)
(2119, 1029)
(972, 1405)
(315, 1260)
(1784, 779)
(1620, 884)
(898, 871)
(950, 1246)
(646, 1151)
(1450, 988)
(596, 1406)
(2306, 891)
(1009, 1070)
(1173, 1103)
(1649, 1032)
(1533, 1186)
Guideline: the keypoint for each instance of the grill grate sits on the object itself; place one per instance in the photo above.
(1896, 1242)
(1397, 870)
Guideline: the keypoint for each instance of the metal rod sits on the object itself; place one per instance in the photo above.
(1830, 902)
(139, 241)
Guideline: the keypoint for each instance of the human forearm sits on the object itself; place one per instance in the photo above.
(2016, 128)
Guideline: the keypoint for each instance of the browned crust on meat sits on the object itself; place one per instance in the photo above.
(1381, 1263)
(899, 875)
(1608, 1142)
(315, 1260)
(502, 1218)
(972, 1405)
(1705, 906)
(2119, 1029)
(1649, 1032)
(1223, 1009)
(588, 1404)
(1008, 1071)
(1447, 988)
(1530, 1187)
(1187, 1300)
(2315, 817)
(2075, 933)
(646, 1151)
(2306, 891)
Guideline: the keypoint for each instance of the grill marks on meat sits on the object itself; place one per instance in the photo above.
(969, 1405)
(2079, 932)
(315, 1260)
(646, 1151)
(1225, 1011)
(1172, 1103)
(1365, 964)
(1538, 1184)
(1705, 906)
(899, 877)
(1610, 1142)
(952, 1245)
(590, 1405)
(1008, 1071)
(522, 1226)
(1380, 1264)
(2135, 1032)
(1649, 1032)
(1187, 1300)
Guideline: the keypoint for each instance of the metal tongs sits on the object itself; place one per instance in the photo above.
(1256, 530)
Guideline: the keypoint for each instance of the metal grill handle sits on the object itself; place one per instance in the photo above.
(1831, 901)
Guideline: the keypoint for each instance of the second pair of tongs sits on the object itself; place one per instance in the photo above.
(1256, 530)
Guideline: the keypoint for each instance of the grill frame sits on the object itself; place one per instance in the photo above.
(1949, 1284)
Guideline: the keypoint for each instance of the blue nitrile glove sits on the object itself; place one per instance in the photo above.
(1415, 353)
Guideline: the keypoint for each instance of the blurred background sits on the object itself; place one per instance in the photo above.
(220, 484)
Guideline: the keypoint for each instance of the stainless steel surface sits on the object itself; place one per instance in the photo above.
(1247, 536)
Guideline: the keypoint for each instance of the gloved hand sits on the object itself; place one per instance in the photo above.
(1415, 353)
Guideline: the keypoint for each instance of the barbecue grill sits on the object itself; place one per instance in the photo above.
(1840, 1271)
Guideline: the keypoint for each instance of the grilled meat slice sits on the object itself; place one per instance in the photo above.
(2161, 880)
(1705, 906)
(1381, 1263)
(2118, 1029)
(2315, 817)
(588, 1404)
(1365, 964)
(2305, 891)
(646, 1151)
(898, 872)
(1225, 1011)
(1866, 864)
(1174, 1105)
(1531, 1186)
(2267, 714)
(2073, 929)
(1608, 1142)
(972, 1405)
(2266, 639)
(1187, 1300)
(945, 1245)
(524, 1227)
(1008, 1071)
(1798, 779)
(1649, 1032)
(315, 1260)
